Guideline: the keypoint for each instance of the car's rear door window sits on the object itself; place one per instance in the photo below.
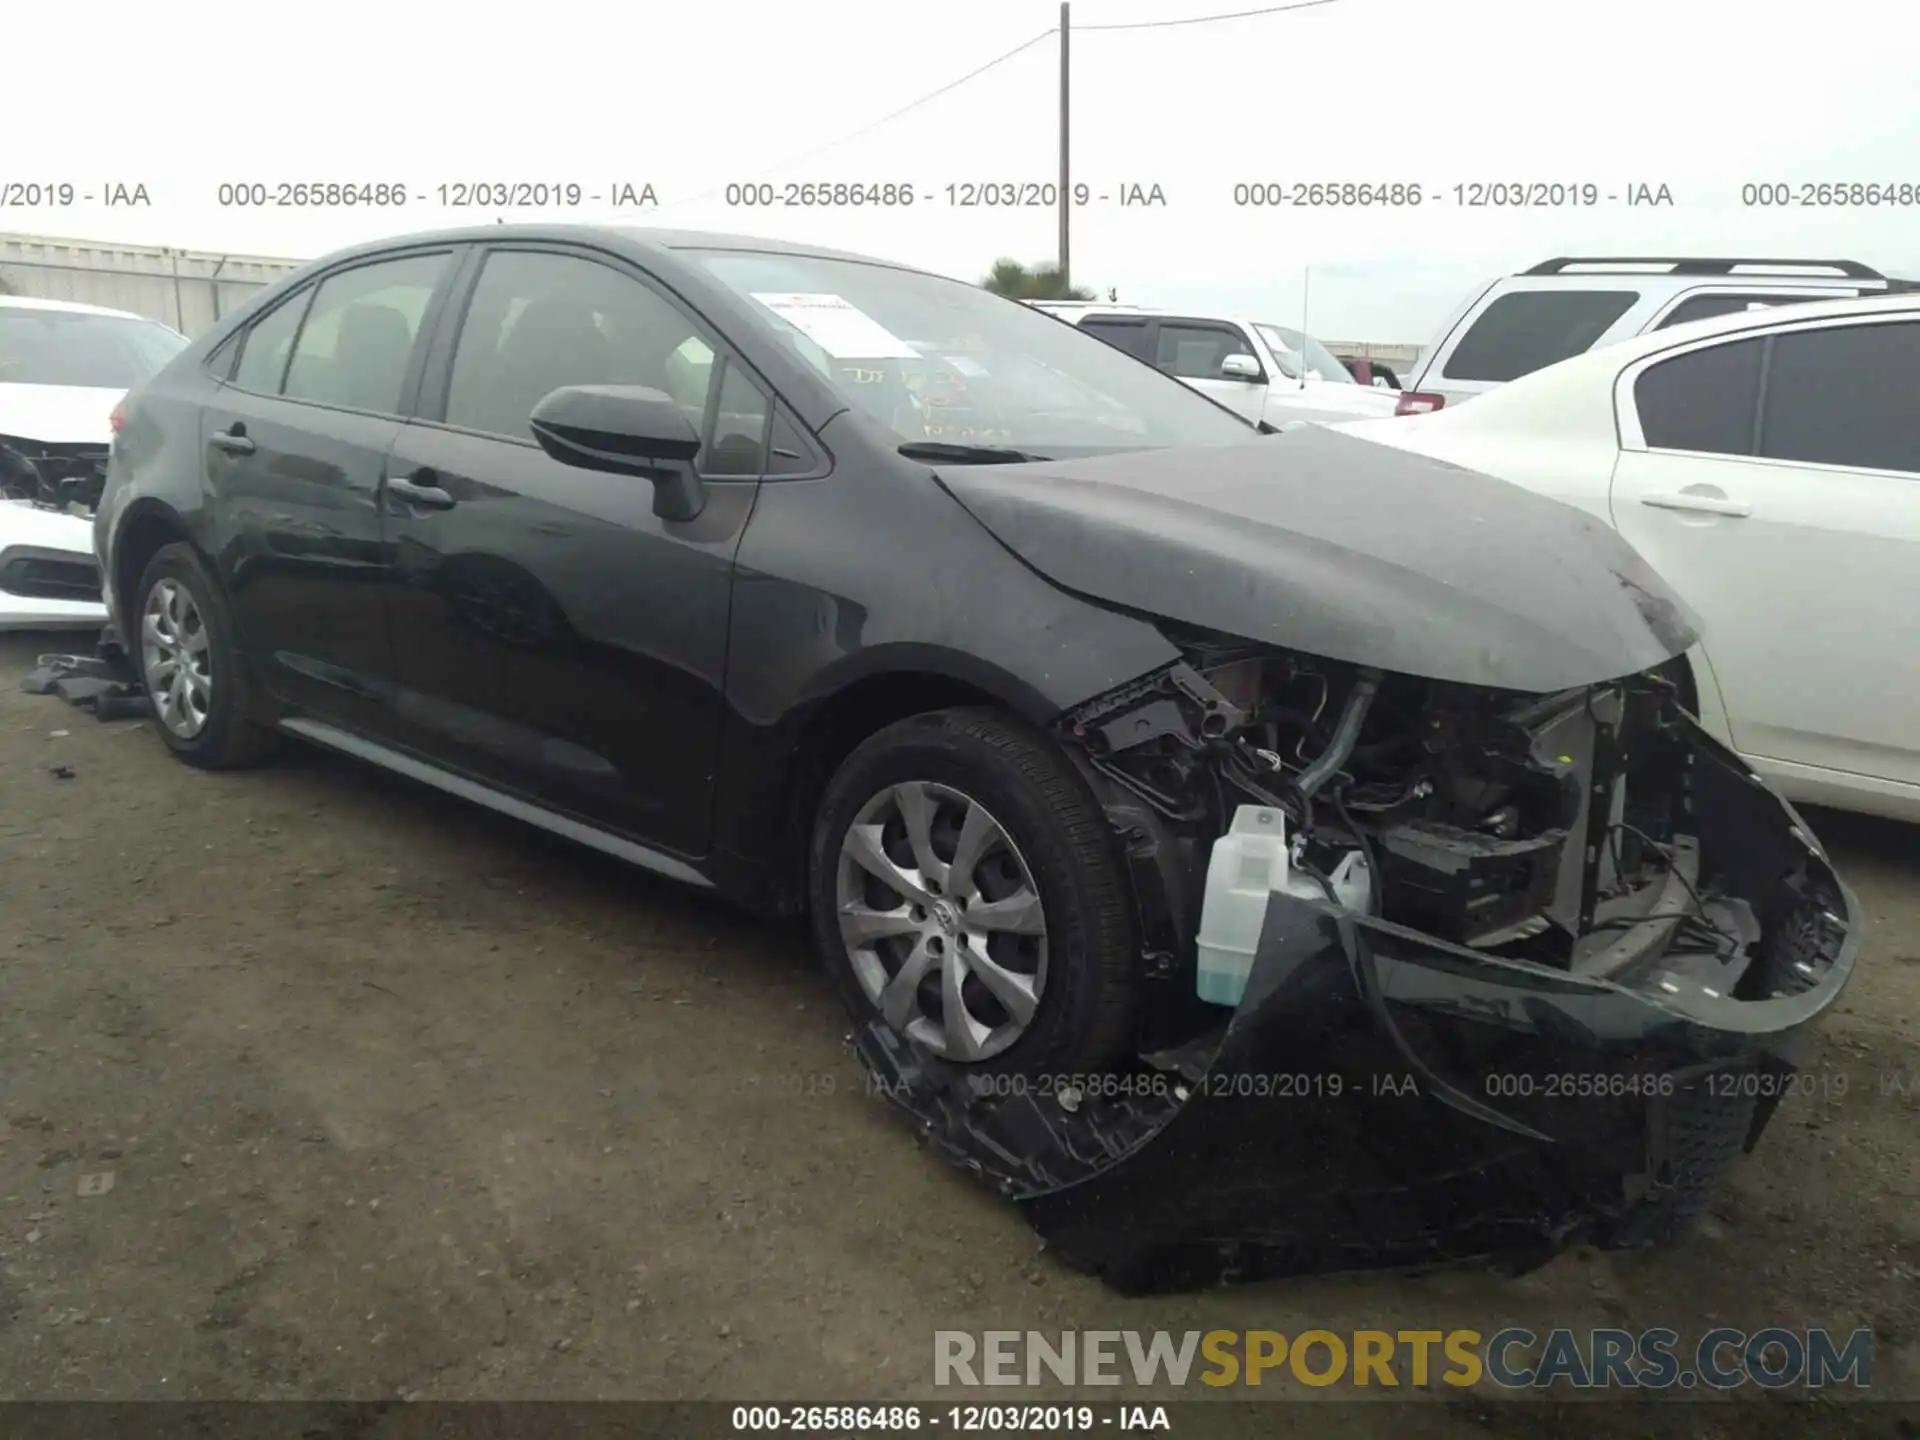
(354, 348)
(263, 354)
(1705, 400)
(1528, 330)
(1843, 395)
(1127, 335)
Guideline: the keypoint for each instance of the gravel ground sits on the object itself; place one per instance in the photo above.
(401, 1099)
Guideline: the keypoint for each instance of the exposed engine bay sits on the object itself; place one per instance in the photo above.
(1550, 829)
(66, 478)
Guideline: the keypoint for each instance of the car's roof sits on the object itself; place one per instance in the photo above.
(647, 236)
(72, 307)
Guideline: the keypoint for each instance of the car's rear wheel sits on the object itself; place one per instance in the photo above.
(965, 890)
(191, 665)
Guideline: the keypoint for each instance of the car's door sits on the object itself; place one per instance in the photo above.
(1775, 481)
(1196, 351)
(553, 637)
(295, 441)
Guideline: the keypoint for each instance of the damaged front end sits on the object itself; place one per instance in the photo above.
(1438, 974)
(48, 574)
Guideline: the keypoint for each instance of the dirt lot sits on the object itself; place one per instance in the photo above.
(399, 1099)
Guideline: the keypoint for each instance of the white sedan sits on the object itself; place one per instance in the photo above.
(1767, 464)
(63, 369)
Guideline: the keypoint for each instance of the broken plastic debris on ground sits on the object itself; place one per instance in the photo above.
(103, 683)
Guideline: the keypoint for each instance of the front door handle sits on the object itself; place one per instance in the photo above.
(427, 497)
(1701, 504)
(234, 441)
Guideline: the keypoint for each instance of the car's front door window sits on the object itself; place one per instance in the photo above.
(540, 321)
(1196, 352)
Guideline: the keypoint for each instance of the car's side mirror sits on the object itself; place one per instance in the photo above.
(626, 430)
(1240, 367)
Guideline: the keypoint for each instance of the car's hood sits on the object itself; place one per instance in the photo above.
(58, 414)
(24, 523)
(1320, 542)
(1333, 402)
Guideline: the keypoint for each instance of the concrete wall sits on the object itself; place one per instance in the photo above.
(187, 289)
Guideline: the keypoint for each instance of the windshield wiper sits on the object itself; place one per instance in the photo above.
(967, 454)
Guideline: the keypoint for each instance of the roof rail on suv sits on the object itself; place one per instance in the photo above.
(1695, 265)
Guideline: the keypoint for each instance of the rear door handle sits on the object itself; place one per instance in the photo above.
(427, 497)
(234, 442)
(1701, 504)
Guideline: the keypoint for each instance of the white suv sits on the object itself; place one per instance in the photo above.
(1266, 373)
(1562, 308)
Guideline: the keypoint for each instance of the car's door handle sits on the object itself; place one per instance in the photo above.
(1702, 504)
(427, 497)
(234, 442)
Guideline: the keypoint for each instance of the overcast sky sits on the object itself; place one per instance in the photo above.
(1696, 95)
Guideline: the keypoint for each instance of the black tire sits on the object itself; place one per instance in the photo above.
(231, 738)
(1086, 1006)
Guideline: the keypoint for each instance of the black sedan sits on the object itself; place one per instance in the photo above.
(846, 589)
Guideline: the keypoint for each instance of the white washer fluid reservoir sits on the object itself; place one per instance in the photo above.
(1249, 863)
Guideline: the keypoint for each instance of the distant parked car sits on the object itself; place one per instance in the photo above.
(1564, 307)
(1371, 372)
(1266, 373)
(63, 368)
(1768, 465)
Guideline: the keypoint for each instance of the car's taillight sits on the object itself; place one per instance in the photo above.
(117, 421)
(1418, 402)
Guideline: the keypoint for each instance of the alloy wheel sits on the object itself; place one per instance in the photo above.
(942, 920)
(174, 654)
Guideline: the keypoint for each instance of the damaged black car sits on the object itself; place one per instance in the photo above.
(1252, 853)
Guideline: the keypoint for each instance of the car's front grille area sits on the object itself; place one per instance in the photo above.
(52, 474)
(48, 575)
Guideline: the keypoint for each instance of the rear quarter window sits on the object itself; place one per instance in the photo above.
(1528, 330)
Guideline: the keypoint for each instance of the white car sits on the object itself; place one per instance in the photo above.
(63, 369)
(1563, 307)
(1767, 465)
(1265, 372)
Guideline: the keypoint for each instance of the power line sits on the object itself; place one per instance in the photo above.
(1209, 19)
(977, 72)
(888, 119)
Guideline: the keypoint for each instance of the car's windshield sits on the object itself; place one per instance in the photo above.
(1290, 346)
(72, 347)
(940, 360)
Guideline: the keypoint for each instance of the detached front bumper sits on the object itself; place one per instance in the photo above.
(1384, 1100)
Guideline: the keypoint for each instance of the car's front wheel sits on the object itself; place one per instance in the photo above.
(191, 666)
(965, 890)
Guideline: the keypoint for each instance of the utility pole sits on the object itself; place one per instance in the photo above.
(1066, 173)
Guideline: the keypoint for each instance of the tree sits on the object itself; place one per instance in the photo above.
(1038, 282)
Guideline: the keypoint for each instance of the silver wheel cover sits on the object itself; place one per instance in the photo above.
(942, 921)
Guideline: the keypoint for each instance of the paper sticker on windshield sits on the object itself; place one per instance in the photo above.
(837, 328)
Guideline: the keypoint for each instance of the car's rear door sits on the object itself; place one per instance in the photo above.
(1775, 481)
(553, 637)
(295, 441)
